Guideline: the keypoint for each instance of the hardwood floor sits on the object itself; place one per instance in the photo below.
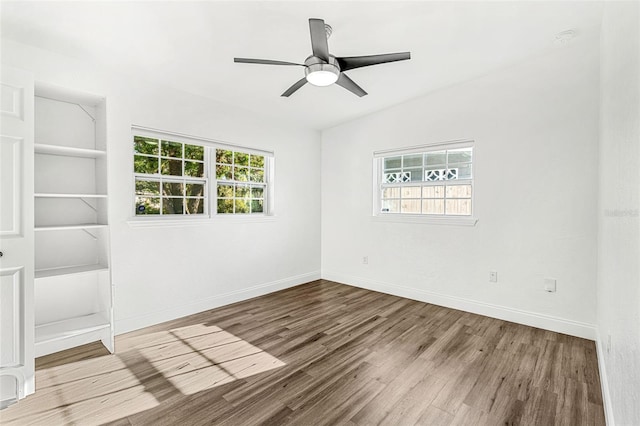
(322, 354)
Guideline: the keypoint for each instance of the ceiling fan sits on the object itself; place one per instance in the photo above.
(324, 69)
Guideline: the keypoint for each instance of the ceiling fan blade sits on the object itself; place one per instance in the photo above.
(263, 62)
(319, 43)
(351, 62)
(350, 85)
(298, 84)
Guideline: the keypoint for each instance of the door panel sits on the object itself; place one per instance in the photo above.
(11, 316)
(10, 186)
(16, 236)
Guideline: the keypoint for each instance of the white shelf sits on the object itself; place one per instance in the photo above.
(48, 195)
(72, 327)
(68, 151)
(71, 270)
(70, 227)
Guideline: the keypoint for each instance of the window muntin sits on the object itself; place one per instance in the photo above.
(241, 182)
(436, 182)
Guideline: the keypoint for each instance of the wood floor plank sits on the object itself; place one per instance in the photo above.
(322, 353)
(433, 416)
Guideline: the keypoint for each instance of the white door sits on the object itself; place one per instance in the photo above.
(16, 236)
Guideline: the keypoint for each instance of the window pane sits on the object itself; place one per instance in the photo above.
(171, 149)
(195, 190)
(462, 155)
(411, 192)
(257, 192)
(432, 206)
(148, 165)
(392, 163)
(415, 174)
(224, 156)
(256, 175)
(458, 207)
(435, 158)
(410, 206)
(145, 187)
(240, 159)
(463, 170)
(191, 168)
(391, 206)
(391, 193)
(145, 145)
(432, 191)
(397, 177)
(225, 191)
(458, 191)
(195, 206)
(194, 152)
(147, 205)
(257, 161)
(171, 167)
(413, 160)
(241, 174)
(225, 206)
(172, 189)
(241, 206)
(435, 173)
(256, 206)
(172, 205)
(224, 172)
(242, 191)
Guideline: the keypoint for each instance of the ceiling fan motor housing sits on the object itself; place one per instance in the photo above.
(323, 73)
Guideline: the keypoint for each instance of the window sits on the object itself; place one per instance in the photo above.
(240, 182)
(172, 175)
(433, 181)
(169, 177)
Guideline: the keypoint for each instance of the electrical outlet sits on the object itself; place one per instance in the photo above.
(550, 285)
(365, 260)
(493, 276)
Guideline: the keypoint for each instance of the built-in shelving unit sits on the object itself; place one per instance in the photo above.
(73, 290)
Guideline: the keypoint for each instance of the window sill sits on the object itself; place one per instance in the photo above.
(140, 222)
(426, 220)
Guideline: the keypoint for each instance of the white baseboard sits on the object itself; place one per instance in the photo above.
(547, 322)
(604, 382)
(134, 323)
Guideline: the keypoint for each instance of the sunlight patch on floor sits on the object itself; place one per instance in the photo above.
(151, 369)
(221, 357)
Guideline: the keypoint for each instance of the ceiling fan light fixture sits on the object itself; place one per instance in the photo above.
(322, 74)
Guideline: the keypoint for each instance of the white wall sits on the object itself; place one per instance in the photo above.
(162, 273)
(619, 203)
(535, 127)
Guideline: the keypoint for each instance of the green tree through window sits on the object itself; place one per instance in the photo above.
(172, 178)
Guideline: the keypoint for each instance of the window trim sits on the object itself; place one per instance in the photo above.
(211, 215)
(377, 185)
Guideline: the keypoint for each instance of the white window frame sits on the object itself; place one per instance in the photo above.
(443, 219)
(235, 183)
(211, 183)
(181, 179)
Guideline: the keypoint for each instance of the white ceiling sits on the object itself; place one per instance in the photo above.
(191, 45)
